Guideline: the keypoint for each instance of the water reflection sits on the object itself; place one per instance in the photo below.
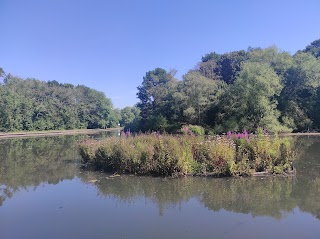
(307, 187)
(30, 162)
(260, 196)
(26, 163)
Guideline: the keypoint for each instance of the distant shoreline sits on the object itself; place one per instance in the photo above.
(53, 133)
(298, 134)
(92, 131)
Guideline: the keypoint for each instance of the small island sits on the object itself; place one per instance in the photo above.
(155, 154)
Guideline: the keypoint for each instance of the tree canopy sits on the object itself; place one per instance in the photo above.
(238, 90)
(30, 104)
(245, 89)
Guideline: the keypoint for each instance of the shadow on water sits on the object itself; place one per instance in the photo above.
(28, 163)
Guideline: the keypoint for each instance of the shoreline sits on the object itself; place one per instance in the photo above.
(298, 134)
(54, 133)
(92, 131)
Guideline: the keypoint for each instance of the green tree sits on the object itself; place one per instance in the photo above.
(196, 95)
(251, 102)
(128, 115)
(36, 105)
(222, 67)
(155, 95)
(313, 48)
(280, 62)
(298, 101)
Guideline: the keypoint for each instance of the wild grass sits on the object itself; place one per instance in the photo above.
(165, 155)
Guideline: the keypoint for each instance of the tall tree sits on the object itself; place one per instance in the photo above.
(155, 95)
(197, 95)
(279, 61)
(298, 98)
(313, 48)
(222, 67)
(251, 102)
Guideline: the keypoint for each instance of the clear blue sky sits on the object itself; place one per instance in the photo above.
(110, 45)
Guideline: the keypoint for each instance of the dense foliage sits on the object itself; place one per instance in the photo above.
(155, 154)
(36, 105)
(238, 90)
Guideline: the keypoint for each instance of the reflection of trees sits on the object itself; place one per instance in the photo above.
(308, 196)
(26, 162)
(163, 192)
(268, 196)
(307, 187)
(308, 158)
(105, 134)
(30, 162)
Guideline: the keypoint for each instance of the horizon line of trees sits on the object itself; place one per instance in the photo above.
(246, 89)
(30, 104)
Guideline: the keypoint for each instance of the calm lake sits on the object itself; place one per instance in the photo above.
(44, 193)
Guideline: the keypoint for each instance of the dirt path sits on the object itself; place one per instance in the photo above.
(53, 133)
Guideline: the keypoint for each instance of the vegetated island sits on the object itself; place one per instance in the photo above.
(188, 154)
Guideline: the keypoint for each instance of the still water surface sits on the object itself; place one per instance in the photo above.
(44, 193)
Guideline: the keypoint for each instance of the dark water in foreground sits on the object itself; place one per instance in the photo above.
(45, 194)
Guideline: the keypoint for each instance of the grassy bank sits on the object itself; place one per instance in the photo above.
(154, 154)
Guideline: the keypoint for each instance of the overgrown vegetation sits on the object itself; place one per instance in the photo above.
(155, 154)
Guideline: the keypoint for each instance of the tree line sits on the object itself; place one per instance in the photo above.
(30, 104)
(246, 89)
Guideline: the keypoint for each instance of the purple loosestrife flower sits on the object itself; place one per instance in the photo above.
(243, 135)
(246, 135)
(265, 132)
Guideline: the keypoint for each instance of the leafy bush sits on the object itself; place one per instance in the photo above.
(193, 129)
